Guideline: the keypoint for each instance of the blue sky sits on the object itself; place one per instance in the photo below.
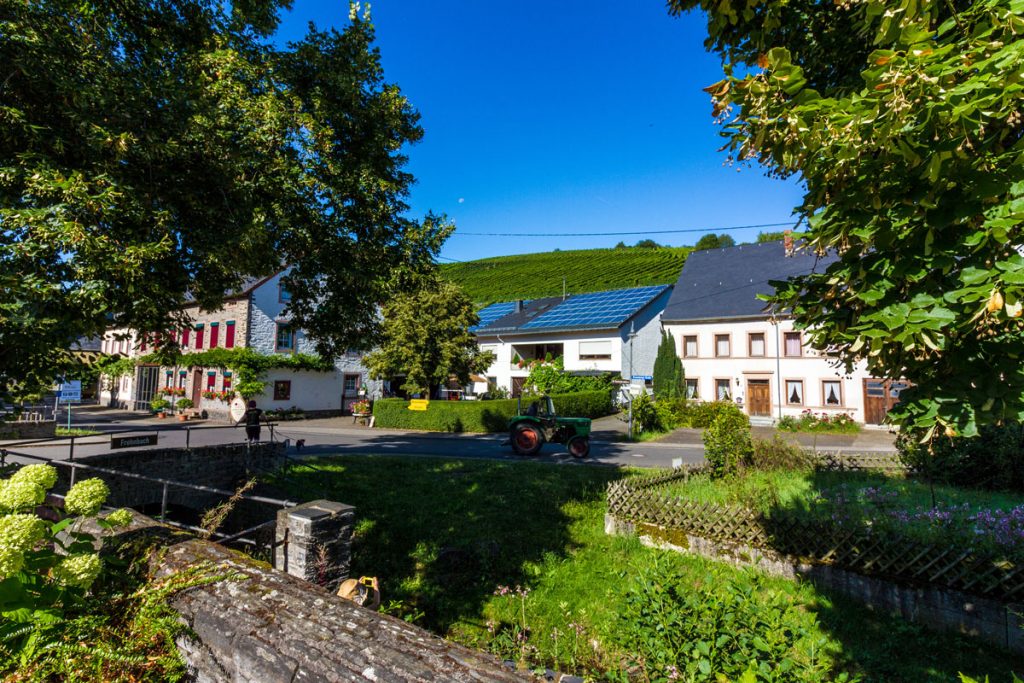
(560, 117)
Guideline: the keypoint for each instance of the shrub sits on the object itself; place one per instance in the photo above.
(727, 442)
(185, 404)
(700, 414)
(992, 460)
(481, 416)
(721, 628)
(829, 423)
(645, 415)
(158, 405)
(778, 454)
(671, 412)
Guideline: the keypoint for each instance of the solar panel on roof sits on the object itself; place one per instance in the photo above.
(489, 314)
(599, 308)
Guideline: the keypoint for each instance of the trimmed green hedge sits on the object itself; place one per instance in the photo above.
(480, 416)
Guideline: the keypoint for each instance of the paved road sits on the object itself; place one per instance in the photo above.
(339, 437)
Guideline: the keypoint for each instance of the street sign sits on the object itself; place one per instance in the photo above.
(645, 378)
(132, 441)
(70, 391)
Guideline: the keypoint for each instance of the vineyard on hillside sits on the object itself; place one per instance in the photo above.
(528, 276)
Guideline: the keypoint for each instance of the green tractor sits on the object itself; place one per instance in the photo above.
(539, 424)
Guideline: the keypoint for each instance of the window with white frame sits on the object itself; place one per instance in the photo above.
(596, 350)
(756, 344)
(832, 392)
(692, 389)
(723, 346)
(795, 392)
(690, 346)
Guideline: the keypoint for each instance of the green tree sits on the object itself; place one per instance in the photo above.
(770, 236)
(426, 338)
(669, 380)
(713, 241)
(647, 244)
(903, 123)
(155, 151)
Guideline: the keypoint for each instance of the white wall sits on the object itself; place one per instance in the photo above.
(504, 371)
(811, 367)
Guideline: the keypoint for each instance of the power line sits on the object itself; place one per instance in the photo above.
(616, 234)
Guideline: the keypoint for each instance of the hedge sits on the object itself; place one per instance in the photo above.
(480, 416)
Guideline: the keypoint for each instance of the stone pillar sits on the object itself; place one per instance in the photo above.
(319, 542)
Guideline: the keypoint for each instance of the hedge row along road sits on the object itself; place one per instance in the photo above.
(529, 276)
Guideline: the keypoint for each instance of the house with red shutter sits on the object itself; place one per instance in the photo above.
(255, 316)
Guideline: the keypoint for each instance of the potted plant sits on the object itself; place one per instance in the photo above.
(159, 406)
(361, 408)
(210, 395)
(183, 405)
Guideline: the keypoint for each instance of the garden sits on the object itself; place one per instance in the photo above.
(512, 558)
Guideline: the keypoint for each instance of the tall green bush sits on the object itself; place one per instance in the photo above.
(669, 380)
(992, 460)
(727, 443)
(549, 377)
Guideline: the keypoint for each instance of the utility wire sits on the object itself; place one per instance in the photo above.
(615, 234)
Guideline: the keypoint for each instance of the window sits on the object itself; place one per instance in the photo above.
(169, 379)
(351, 384)
(229, 334)
(211, 381)
(226, 384)
(692, 390)
(184, 338)
(795, 392)
(595, 350)
(181, 379)
(282, 390)
(199, 337)
(214, 334)
(690, 346)
(722, 392)
(283, 295)
(756, 344)
(722, 345)
(793, 346)
(285, 340)
(832, 392)
(142, 342)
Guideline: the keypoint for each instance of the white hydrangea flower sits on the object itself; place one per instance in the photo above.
(78, 570)
(43, 476)
(86, 497)
(122, 517)
(21, 532)
(11, 561)
(16, 495)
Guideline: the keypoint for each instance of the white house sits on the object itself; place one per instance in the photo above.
(615, 331)
(252, 316)
(732, 348)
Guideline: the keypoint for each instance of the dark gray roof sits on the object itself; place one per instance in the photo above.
(244, 287)
(724, 283)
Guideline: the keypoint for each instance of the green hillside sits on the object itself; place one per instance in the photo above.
(528, 276)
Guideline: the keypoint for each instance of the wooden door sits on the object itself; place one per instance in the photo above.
(879, 397)
(759, 398)
(197, 387)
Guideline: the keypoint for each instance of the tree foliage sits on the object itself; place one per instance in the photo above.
(669, 379)
(713, 241)
(550, 377)
(150, 150)
(903, 122)
(426, 337)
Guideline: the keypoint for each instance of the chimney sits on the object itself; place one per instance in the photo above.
(519, 306)
(787, 242)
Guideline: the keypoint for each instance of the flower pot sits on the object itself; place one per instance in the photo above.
(182, 417)
(161, 415)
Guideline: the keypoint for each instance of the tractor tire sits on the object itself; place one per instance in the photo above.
(526, 439)
(579, 446)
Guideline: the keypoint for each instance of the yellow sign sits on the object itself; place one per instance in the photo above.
(419, 404)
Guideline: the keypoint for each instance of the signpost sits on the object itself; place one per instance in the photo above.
(70, 392)
(132, 441)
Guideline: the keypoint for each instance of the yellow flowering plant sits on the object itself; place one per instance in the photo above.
(46, 568)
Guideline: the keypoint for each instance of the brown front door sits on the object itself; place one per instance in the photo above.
(197, 387)
(880, 396)
(759, 398)
(517, 386)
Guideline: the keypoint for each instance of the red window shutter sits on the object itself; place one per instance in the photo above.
(229, 335)
(211, 380)
(214, 329)
(184, 338)
(142, 342)
(199, 337)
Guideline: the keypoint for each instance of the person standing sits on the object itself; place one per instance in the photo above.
(251, 418)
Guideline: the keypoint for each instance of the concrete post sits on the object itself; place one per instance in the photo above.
(319, 542)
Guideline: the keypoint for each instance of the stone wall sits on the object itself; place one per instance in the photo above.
(994, 622)
(263, 625)
(29, 429)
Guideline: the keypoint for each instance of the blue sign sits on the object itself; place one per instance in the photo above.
(643, 377)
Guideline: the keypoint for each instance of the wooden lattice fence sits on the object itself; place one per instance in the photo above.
(863, 550)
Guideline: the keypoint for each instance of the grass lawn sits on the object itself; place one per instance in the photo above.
(75, 431)
(897, 501)
(444, 536)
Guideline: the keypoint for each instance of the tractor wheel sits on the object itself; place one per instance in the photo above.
(579, 446)
(526, 439)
